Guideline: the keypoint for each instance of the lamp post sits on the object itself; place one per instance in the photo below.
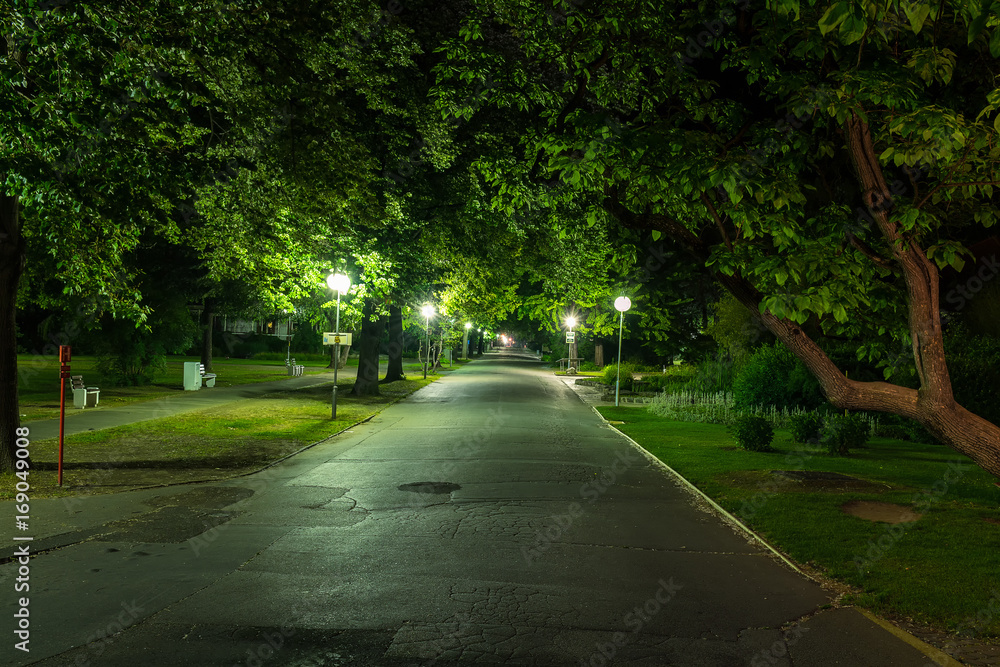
(465, 340)
(340, 283)
(571, 321)
(622, 304)
(427, 311)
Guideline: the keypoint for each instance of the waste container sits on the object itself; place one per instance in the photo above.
(192, 376)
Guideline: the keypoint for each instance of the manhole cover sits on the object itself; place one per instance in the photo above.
(429, 487)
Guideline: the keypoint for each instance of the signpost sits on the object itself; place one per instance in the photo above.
(64, 357)
(336, 339)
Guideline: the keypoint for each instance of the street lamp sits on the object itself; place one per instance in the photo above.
(571, 322)
(465, 340)
(427, 311)
(339, 283)
(622, 304)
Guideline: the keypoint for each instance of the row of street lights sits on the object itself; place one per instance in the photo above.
(340, 283)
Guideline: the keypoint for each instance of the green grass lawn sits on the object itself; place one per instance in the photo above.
(38, 381)
(214, 443)
(940, 569)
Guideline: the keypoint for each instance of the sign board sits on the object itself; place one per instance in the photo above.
(331, 338)
(570, 336)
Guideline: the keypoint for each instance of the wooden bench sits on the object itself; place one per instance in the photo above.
(83, 396)
(294, 369)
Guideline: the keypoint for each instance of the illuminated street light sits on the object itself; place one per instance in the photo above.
(622, 304)
(339, 283)
(571, 339)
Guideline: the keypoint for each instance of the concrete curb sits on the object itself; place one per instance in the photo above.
(937, 655)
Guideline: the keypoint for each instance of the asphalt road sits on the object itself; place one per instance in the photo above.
(492, 517)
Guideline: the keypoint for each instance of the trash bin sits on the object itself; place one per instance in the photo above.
(192, 376)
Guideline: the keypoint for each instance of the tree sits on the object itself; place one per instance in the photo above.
(822, 161)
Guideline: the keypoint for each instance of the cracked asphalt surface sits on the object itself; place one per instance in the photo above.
(490, 518)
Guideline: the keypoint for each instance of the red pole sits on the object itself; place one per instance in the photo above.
(64, 356)
(62, 421)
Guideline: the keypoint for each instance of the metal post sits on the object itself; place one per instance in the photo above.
(427, 356)
(336, 354)
(618, 374)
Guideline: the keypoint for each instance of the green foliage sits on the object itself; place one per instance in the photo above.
(974, 366)
(752, 432)
(714, 374)
(247, 346)
(773, 376)
(611, 373)
(806, 427)
(133, 355)
(845, 432)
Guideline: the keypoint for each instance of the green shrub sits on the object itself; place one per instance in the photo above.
(845, 432)
(752, 432)
(714, 375)
(588, 366)
(773, 376)
(806, 426)
(609, 374)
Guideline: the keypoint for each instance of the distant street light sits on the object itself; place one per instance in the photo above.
(427, 311)
(622, 304)
(465, 340)
(339, 283)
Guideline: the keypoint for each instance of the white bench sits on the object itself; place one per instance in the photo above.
(294, 369)
(194, 375)
(83, 396)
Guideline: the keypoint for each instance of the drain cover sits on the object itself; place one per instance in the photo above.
(429, 487)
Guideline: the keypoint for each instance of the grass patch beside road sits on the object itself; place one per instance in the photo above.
(939, 570)
(214, 443)
(38, 382)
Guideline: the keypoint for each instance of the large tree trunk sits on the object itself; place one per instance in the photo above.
(372, 327)
(933, 404)
(12, 261)
(208, 324)
(395, 370)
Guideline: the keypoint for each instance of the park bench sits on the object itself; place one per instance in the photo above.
(194, 375)
(294, 369)
(574, 363)
(83, 396)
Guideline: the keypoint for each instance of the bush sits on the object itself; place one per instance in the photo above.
(845, 432)
(610, 371)
(752, 432)
(806, 427)
(773, 376)
(588, 366)
(714, 375)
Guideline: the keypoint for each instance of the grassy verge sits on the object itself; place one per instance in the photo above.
(38, 381)
(215, 443)
(939, 570)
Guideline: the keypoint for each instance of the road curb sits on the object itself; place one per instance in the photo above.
(939, 657)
